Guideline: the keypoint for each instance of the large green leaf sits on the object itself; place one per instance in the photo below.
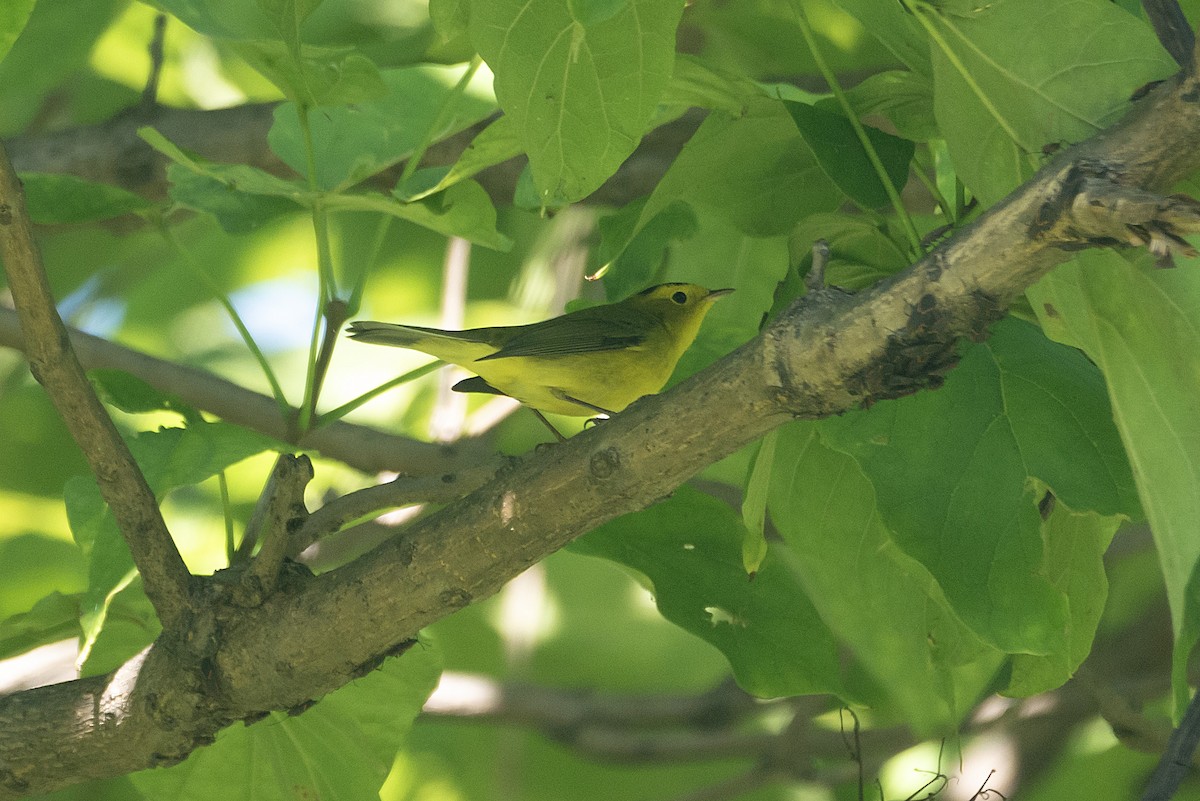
(895, 28)
(842, 156)
(312, 75)
(464, 209)
(50, 56)
(342, 748)
(13, 16)
(905, 98)
(882, 602)
(494, 144)
(1075, 546)
(220, 19)
(353, 143)
(58, 198)
(754, 171)
(689, 547)
(580, 80)
(1014, 75)
(951, 471)
(1142, 328)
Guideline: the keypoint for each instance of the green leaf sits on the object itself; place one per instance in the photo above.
(127, 625)
(341, 748)
(220, 19)
(905, 98)
(754, 171)
(633, 257)
(884, 604)
(861, 250)
(951, 471)
(50, 59)
(1075, 546)
(169, 458)
(35, 565)
(131, 394)
(1018, 74)
(234, 204)
(1142, 329)
(754, 504)
(895, 28)
(695, 84)
(493, 145)
(450, 17)
(843, 158)
(58, 198)
(54, 617)
(353, 143)
(287, 16)
(163, 145)
(13, 16)
(687, 546)
(318, 76)
(462, 210)
(581, 81)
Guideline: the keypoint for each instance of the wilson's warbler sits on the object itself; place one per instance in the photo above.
(595, 360)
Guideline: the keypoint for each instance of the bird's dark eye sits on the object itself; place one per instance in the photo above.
(680, 298)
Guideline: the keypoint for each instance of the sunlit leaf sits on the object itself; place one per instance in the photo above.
(580, 81)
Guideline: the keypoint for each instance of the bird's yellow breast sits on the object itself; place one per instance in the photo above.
(609, 380)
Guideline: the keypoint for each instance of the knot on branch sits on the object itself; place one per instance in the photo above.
(1093, 208)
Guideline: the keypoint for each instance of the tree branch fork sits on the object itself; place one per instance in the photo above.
(228, 655)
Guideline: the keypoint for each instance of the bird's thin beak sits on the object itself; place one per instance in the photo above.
(717, 294)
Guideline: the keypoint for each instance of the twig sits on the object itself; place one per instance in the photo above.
(814, 281)
(150, 93)
(402, 491)
(53, 363)
(1177, 760)
(285, 511)
(468, 696)
(1173, 30)
(732, 787)
(361, 447)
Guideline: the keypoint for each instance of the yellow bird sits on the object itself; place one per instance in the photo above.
(595, 360)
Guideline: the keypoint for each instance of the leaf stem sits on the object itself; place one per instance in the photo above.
(222, 298)
(906, 222)
(346, 408)
(920, 9)
(439, 122)
(320, 348)
(227, 513)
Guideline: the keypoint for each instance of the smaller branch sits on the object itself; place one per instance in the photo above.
(284, 512)
(1177, 760)
(473, 697)
(814, 281)
(56, 368)
(361, 447)
(1173, 30)
(401, 491)
(733, 787)
(150, 93)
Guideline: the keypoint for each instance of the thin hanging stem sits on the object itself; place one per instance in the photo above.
(198, 270)
(349, 406)
(320, 347)
(893, 194)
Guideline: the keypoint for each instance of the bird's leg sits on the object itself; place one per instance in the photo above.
(558, 393)
(548, 425)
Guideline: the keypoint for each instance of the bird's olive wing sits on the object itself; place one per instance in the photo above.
(575, 333)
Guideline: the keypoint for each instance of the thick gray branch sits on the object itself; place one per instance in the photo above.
(54, 365)
(828, 354)
(112, 152)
